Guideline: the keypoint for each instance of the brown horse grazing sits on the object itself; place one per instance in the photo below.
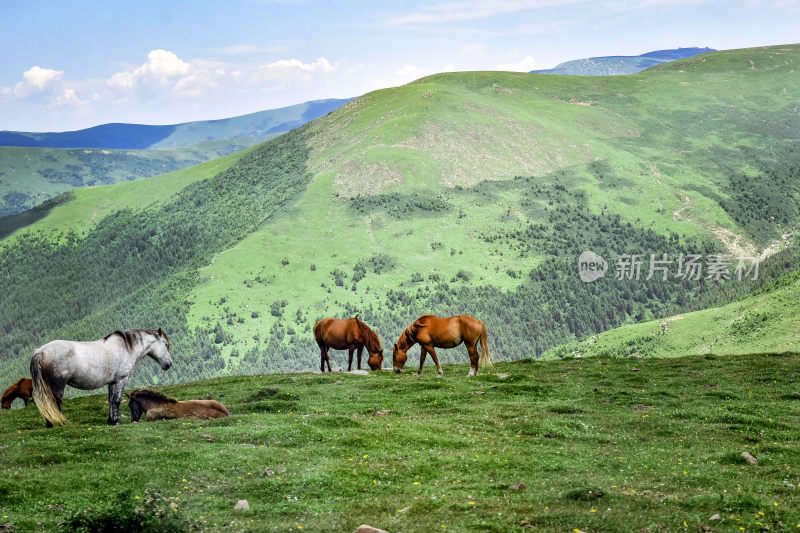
(158, 406)
(22, 388)
(351, 334)
(431, 331)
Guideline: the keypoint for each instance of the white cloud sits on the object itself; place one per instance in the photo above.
(67, 97)
(162, 67)
(525, 65)
(35, 80)
(321, 65)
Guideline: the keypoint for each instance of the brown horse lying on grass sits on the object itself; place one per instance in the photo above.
(158, 406)
(351, 334)
(22, 388)
(431, 331)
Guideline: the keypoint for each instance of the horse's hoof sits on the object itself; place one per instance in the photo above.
(441, 374)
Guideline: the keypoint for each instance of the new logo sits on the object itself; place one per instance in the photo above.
(591, 266)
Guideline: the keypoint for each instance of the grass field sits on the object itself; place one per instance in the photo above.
(600, 444)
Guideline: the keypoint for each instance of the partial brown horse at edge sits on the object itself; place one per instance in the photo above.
(349, 334)
(158, 406)
(22, 388)
(431, 331)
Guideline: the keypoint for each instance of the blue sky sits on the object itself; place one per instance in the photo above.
(70, 65)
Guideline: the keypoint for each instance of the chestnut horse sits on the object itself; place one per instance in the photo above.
(157, 406)
(431, 331)
(350, 334)
(22, 388)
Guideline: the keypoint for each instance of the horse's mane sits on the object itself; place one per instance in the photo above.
(148, 394)
(411, 331)
(372, 341)
(130, 336)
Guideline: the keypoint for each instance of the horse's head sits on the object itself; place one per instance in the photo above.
(136, 409)
(398, 358)
(159, 350)
(375, 360)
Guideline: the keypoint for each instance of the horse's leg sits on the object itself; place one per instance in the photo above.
(422, 353)
(114, 399)
(358, 352)
(436, 360)
(350, 359)
(472, 349)
(323, 358)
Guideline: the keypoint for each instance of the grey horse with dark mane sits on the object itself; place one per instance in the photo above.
(89, 365)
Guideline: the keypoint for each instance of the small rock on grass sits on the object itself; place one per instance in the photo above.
(241, 505)
(715, 517)
(382, 412)
(749, 458)
(517, 486)
(208, 436)
(369, 529)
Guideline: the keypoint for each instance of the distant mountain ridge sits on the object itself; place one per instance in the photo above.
(38, 166)
(620, 65)
(145, 137)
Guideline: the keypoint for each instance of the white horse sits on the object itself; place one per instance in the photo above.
(89, 365)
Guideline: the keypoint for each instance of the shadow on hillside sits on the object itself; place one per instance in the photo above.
(11, 223)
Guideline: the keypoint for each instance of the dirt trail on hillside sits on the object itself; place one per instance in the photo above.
(735, 243)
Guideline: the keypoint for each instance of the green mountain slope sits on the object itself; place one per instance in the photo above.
(78, 209)
(37, 166)
(460, 193)
(29, 176)
(766, 321)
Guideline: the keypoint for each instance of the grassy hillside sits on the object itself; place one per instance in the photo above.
(460, 193)
(79, 208)
(618, 65)
(35, 167)
(765, 321)
(29, 176)
(597, 444)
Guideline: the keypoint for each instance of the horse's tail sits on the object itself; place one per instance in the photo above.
(486, 357)
(43, 394)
